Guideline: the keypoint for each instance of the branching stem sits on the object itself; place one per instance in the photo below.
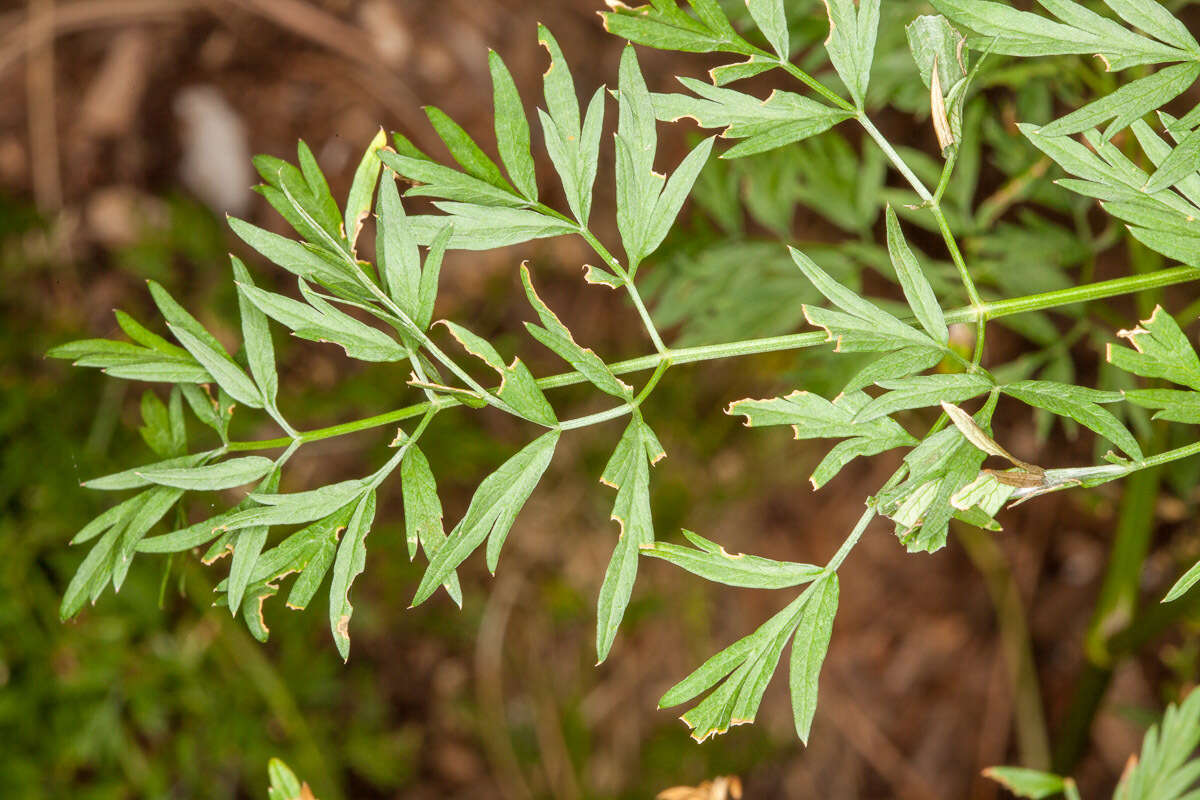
(626, 277)
(794, 341)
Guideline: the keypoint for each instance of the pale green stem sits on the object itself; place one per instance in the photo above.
(659, 371)
(275, 414)
(624, 408)
(611, 262)
(794, 341)
(851, 540)
(934, 203)
(387, 468)
(895, 158)
(1186, 451)
(627, 278)
(809, 81)
(595, 419)
(947, 173)
(427, 343)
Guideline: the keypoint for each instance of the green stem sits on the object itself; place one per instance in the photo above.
(809, 81)
(918, 186)
(612, 263)
(968, 282)
(770, 344)
(386, 469)
(851, 540)
(636, 296)
(1187, 451)
(957, 257)
(895, 158)
(627, 278)
(659, 371)
(435, 351)
(595, 419)
(947, 173)
(624, 408)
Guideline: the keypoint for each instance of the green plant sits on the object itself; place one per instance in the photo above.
(1165, 770)
(913, 362)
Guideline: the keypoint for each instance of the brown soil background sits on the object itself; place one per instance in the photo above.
(916, 697)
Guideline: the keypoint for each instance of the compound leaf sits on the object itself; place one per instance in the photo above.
(484, 227)
(742, 669)
(781, 119)
(247, 544)
(1128, 103)
(517, 385)
(919, 391)
(1160, 350)
(318, 321)
(228, 375)
(664, 25)
(469, 155)
(1179, 163)
(396, 250)
(628, 470)
(133, 478)
(493, 509)
(423, 512)
(213, 477)
(770, 18)
(813, 417)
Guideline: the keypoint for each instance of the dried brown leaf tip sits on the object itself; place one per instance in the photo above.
(724, 787)
(937, 104)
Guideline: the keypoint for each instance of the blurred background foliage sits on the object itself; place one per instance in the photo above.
(153, 110)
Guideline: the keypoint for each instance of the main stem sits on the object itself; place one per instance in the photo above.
(794, 341)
